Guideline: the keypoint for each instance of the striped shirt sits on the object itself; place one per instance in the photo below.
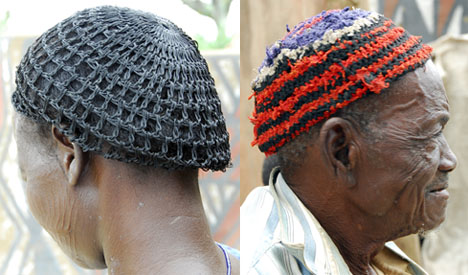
(280, 236)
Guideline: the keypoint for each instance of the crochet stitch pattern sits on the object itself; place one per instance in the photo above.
(324, 64)
(128, 85)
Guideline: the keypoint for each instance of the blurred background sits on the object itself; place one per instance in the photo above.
(442, 24)
(25, 248)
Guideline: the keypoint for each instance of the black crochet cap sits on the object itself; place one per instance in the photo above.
(128, 85)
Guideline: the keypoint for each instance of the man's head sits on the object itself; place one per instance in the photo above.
(127, 85)
(110, 87)
(354, 110)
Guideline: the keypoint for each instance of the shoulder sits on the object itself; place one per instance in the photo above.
(256, 211)
(262, 250)
(257, 197)
(257, 228)
(274, 260)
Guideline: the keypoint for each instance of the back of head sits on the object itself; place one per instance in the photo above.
(128, 85)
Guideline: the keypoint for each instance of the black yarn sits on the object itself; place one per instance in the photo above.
(318, 69)
(325, 90)
(314, 114)
(283, 63)
(128, 85)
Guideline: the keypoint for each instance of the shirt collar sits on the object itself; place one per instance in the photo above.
(302, 234)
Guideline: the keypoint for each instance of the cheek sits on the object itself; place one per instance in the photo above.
(424, 164)
(433, 209)
(55, 211)
(423, 167)
(400, 174)
(70, 219)
(45, 189)
(46, 200)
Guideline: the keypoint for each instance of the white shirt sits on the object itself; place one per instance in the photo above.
(279, 235)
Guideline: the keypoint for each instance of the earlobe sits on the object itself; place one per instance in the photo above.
(75, 166)
(70, 155)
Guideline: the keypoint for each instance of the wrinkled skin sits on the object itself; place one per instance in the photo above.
(106, 213)
(370, 187)
(53, 202)
(410, 157)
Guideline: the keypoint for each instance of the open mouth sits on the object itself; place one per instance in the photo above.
(438, 189)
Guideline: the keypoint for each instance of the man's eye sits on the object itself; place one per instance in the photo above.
(438, 134)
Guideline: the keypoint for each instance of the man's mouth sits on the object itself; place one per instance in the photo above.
(439, 190)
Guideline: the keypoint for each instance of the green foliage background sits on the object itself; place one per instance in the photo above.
(3, 20)
(218, 11)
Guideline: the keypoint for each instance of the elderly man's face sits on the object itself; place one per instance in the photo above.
(407, 167)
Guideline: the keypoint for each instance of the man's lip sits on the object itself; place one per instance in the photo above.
(437, 187)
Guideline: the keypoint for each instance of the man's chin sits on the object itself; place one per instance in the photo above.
(423, 232)
(89, 264)
(434, 218)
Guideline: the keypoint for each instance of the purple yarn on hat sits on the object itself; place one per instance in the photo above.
(332, 20)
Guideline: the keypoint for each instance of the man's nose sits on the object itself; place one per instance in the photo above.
(448, 160)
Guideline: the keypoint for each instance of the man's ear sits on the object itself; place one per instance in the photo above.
(337, 140)
(70, 155)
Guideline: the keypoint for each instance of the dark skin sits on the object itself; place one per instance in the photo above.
(106, 213)
(372, 188)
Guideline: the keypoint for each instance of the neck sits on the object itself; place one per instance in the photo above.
(356, 247)
(357, 240)
(156, 222)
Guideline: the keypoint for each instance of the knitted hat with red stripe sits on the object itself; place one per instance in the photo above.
(324, 64)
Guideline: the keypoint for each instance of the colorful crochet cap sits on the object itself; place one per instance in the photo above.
(324, 64)
(128, 85)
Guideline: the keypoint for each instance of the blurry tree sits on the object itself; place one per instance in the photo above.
(218, 11)
(339, 4)
(3, 21)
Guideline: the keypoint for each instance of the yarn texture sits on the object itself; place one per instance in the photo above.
(128, 85)
(322, 65)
